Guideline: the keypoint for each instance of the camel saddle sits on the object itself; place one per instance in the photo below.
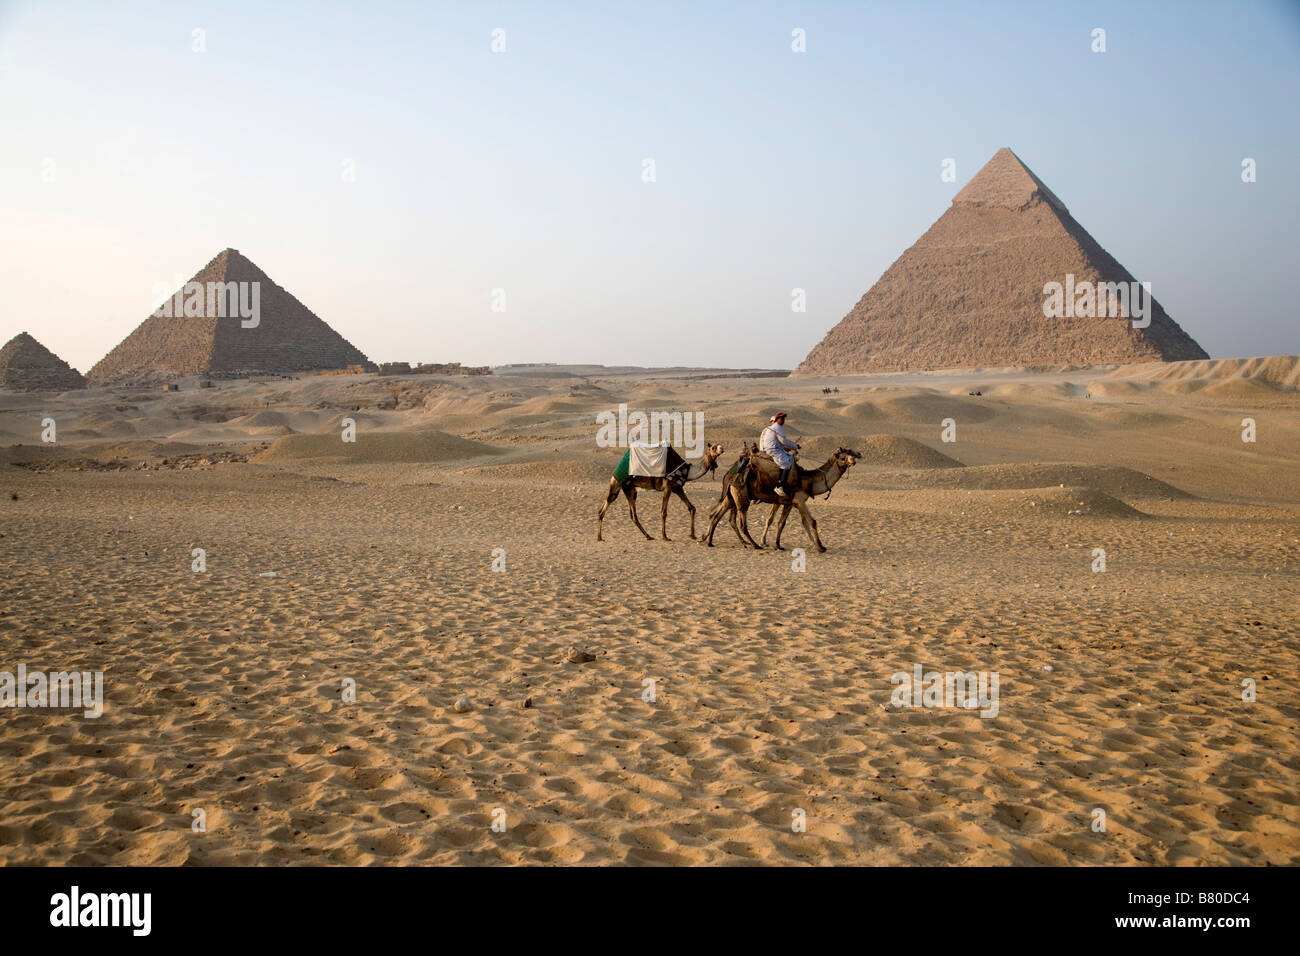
(649, 461)
(760, 460)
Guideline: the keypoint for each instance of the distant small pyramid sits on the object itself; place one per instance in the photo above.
(202, 331)
(28, 366)
(970, 292)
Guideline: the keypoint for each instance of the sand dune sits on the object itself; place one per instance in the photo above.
(1022, 503)
(589, 475)
(878, 450)
(407, 445)
(1123, 482)
(916, 406)
(1283, 370)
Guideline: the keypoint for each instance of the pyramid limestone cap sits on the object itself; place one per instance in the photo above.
(1007, 182)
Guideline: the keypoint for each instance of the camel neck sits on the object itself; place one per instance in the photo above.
(698, 469)
(829, 473)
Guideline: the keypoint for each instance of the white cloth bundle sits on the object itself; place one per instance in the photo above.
(649, 461)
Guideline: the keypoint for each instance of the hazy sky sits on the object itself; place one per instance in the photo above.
(128, 159)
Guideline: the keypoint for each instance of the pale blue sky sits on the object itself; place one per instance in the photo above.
(522, 170)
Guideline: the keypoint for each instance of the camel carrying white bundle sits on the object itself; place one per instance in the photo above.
(656, 468)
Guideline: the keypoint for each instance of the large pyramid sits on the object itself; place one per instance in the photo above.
(27, 365)
(215, 339)
(970, 292)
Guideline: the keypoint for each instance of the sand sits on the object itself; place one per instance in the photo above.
(772, 687)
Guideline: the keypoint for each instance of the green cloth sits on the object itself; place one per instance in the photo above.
(621, 472)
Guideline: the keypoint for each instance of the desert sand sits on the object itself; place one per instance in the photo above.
(1120, 690)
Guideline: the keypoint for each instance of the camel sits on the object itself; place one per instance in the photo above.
(760, 479)
(669, 485)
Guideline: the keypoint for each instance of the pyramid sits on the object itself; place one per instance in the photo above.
(215, 339)
(28, 366)
(970, 292)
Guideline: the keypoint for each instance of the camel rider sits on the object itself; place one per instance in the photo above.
(774, 443)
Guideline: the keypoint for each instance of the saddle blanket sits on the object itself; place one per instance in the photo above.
(647, 461)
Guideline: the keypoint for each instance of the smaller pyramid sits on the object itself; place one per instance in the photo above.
(200, 332)
(28, 366)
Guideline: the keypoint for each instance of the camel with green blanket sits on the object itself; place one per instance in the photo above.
(677, 471)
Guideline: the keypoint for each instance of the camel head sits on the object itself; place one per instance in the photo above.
(846, 458)
(711, 455)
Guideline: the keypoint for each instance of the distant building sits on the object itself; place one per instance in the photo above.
(431, 368)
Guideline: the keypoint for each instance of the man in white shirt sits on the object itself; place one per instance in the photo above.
(774, 443)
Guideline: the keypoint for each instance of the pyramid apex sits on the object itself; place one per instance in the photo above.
(1006, 181)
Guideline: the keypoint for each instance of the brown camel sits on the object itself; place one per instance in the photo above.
(669, 485)
(758, 484)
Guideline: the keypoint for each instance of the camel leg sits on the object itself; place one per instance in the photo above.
(743, 515)
(609, 500)
(780, 525)
(681, 493)
(726, 506)
(809, 524)
(630, 492)
(723, 507)
(770, 515)
(740, 503)
(714, 517)
(732, 511)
